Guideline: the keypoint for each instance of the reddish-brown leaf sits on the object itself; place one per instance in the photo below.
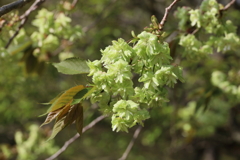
(79, 119)
(64, 111)
(51, 116)
(72, 114)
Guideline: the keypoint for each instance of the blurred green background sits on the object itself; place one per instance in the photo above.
(174, 131)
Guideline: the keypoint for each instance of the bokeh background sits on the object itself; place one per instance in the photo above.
(175, 131)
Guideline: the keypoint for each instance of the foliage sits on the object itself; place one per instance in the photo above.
(112, 75)
(65, 111)
(149, 59)
(53, 29)
(34, 147)
(137, 81)
(214, 34)
(72, 66)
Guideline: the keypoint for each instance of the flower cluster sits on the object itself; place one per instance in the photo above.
(118, 94)
(212, 31)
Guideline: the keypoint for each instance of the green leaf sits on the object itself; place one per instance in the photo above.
(93, 89)
(82, 95)
(13, 49)
(72, 66)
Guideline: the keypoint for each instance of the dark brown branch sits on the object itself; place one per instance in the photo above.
(16, 32)
(130, 145)
(23, 19)
(164, 19)
(228, 5)
(71, 140)
(11, 6)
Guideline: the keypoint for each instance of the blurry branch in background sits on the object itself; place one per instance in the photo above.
(71, 140)
(11, 6)
(164, 19)
(228, 5)
(74, 3)
(23, 19)
(130, 145)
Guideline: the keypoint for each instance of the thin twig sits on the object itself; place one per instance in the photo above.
(164, 19)
(228, 5)
(130, 145)
(23, 19)
(71, 140)
(74, 3)
(11, 6)
(195, 31)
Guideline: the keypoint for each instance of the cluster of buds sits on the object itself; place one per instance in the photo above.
(154, 27)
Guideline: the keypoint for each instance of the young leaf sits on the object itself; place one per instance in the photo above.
(64, 111)
(81, 93)
(72, 114)
(51, 116)
(65, 98)
(59, 125)
(67, 116)
(89, 92)
(54, 99)
(72, 66)
(80, 96)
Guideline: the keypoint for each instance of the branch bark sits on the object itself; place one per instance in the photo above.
(228, 5)
(23, 19)
(71, 140)
(74, 3)
(130, 145)
(164, 19)
(11, 6)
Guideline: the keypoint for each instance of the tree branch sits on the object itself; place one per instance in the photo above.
(71, 140)
(228, 5)
(130, 145)
(16, 32)
(164, 19)
(74, 3)
(23, 19)
(11, 6)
